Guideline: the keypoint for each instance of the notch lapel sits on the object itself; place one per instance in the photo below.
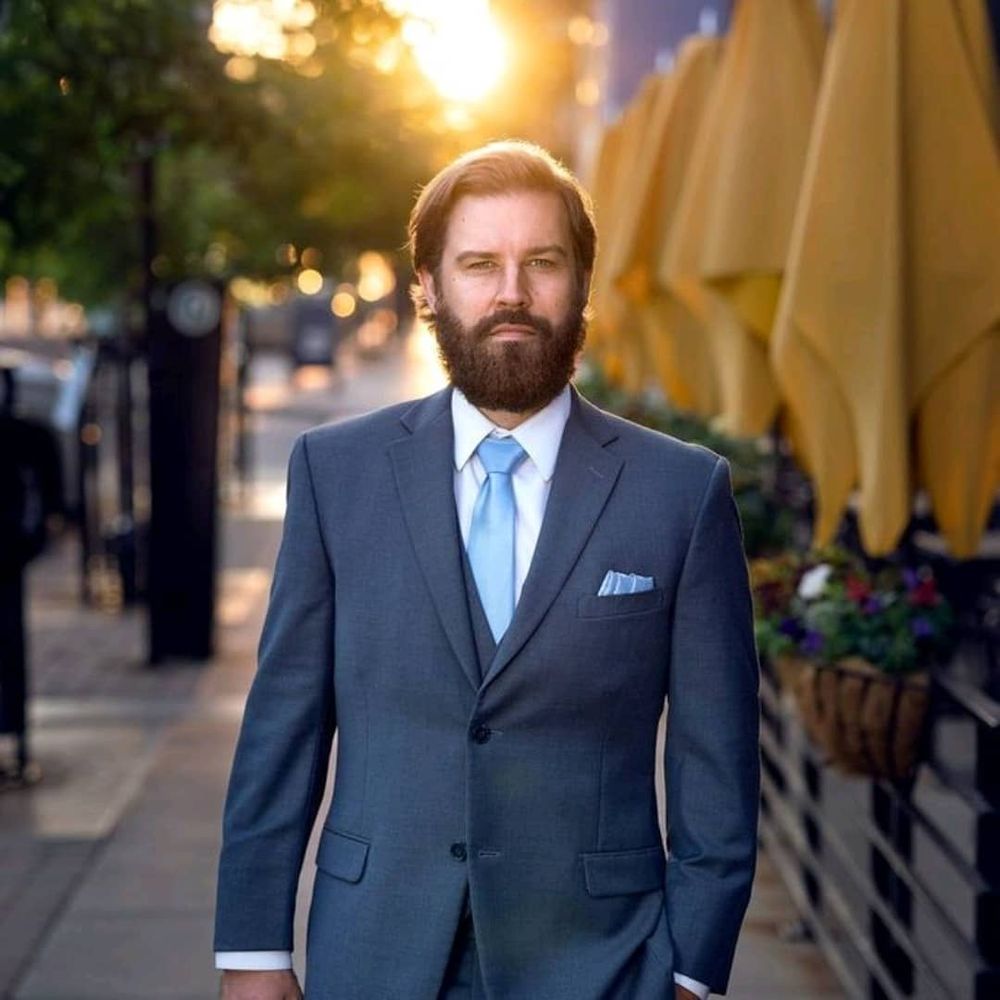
(584, 477)
(424, 468)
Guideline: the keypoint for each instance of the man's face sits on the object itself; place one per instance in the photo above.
(508, 300)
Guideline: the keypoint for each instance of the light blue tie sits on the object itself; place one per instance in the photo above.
(491, 537)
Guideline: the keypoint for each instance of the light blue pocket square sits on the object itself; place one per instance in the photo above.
(624, 583)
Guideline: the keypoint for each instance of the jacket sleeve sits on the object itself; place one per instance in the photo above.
(282, 756)
(712, 756)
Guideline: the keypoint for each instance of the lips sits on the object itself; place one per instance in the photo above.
(511, 325)
(508, 331)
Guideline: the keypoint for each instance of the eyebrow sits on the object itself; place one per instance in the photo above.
(553, 248)
(548, 248)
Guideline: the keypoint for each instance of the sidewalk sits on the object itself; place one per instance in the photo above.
(107, 868)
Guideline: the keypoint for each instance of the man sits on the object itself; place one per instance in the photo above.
(488, 594)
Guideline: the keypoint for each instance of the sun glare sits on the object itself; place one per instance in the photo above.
(457, 44)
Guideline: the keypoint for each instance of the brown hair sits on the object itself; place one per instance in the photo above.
(497, 168)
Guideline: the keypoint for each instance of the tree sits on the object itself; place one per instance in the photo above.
(91, 90)
(323, 150)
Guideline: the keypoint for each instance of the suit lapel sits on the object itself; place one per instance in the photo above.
(424, 468)
(584, 477)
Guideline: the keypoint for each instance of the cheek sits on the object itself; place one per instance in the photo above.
(470, 299)
(554, 298)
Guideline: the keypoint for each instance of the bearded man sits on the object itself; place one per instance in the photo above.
(489, 594)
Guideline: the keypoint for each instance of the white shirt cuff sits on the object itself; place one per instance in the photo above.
(700, 990)
(254, 961)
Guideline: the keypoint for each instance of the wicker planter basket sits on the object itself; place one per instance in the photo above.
(867, 722)
(787, 670)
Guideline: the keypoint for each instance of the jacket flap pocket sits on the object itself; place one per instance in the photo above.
(341, 856)
(592, 606)
(616, 873)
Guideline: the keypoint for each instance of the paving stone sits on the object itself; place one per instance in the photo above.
(91, 772)
(118, 956)
(28, 902)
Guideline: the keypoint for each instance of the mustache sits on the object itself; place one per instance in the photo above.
(512, 317)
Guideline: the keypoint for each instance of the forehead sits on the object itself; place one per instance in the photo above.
(510, 221)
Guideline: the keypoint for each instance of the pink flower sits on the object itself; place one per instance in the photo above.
(924, 594)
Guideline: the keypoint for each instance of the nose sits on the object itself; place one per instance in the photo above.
(512, 292)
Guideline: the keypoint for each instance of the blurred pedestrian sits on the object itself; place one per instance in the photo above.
(488, 594)
(30, 493)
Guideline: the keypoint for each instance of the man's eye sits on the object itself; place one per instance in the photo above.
(542, 263)
(480, 265)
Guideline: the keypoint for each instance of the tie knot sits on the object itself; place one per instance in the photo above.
(500, 454)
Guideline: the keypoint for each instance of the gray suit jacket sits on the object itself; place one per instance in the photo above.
(528, 780)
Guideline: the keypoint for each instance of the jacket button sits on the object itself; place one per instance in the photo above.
(458, 851)
(482, 734)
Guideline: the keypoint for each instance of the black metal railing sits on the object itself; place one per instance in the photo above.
(897, 883)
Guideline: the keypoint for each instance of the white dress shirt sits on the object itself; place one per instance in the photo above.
(540, 436)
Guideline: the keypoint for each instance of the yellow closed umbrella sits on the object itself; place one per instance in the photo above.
(953, 267)
(603, 185)
(627, 257)
(975, 26)
(837, 343)
(728, 247)
(892, 281)
(675, 342)
(621, 346)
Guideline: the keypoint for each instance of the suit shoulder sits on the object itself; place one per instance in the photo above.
(366, 430)
(650, 445)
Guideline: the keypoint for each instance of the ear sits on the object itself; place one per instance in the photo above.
(426, 280)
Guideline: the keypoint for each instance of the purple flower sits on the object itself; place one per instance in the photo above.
(811, 643)
(911, 578)
(921, 628)
(872, 605)
(790, 627)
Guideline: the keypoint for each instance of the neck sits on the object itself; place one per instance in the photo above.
(508, 419)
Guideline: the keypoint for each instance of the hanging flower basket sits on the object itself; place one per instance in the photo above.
(855, 646)
(788, 669)
(867, 722)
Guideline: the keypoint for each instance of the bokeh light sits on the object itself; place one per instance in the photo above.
(343, 303)
(580, 29)
(376, 330)
(376, 276)
(311, 257)
(272, 29)
(309, 281)
(588, 92)
(241, 68)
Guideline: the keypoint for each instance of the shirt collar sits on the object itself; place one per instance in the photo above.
(540, 435)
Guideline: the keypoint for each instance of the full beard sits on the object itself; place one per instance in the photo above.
(515, 376)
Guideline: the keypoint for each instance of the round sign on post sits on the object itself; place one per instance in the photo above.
(193, 308)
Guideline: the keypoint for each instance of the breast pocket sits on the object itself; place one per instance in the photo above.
(621, 605)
